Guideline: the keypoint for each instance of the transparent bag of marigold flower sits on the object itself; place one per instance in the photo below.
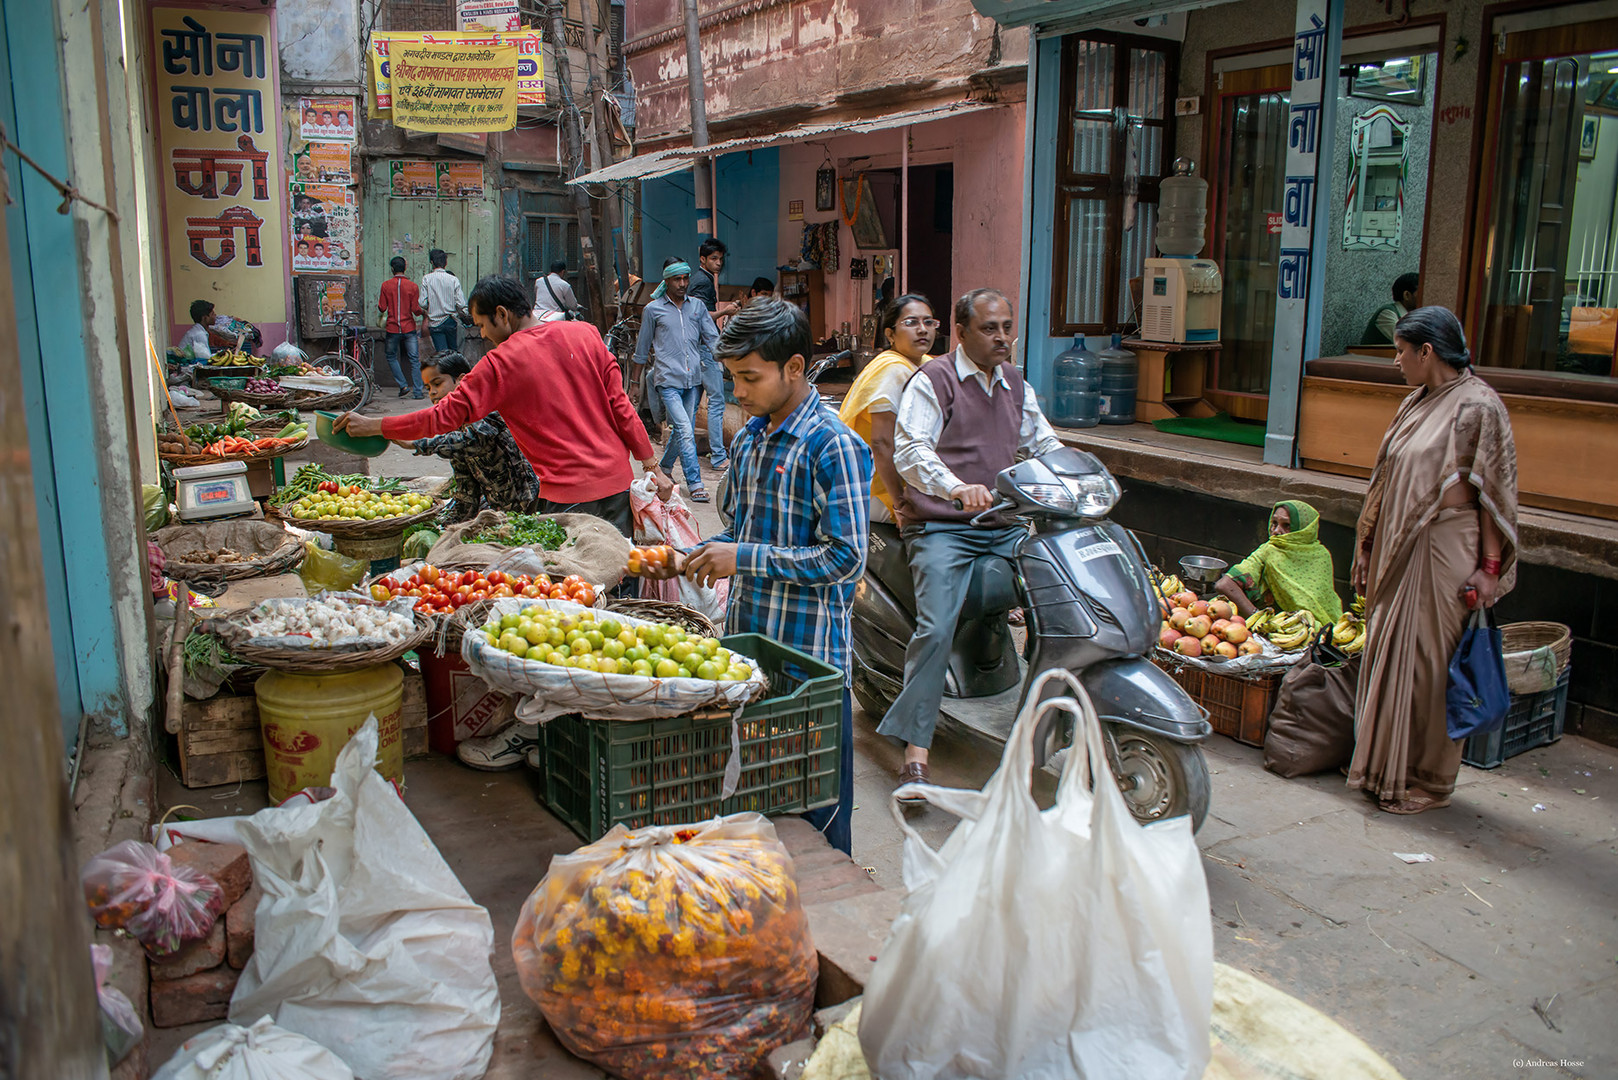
(671, 950)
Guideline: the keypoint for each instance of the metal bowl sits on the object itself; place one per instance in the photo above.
(1202, 569)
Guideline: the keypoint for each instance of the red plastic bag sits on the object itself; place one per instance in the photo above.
(132, 887)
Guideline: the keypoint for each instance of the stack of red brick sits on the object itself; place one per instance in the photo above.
(195, 983)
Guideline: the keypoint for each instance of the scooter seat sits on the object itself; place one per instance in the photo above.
(993, 587)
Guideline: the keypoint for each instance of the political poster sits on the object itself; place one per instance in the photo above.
(412, 179)
(324, 236)
(323, 163)
(327, 119)
(215, 88)
(460, 180)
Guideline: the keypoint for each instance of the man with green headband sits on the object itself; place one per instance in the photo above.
(1291, 571)
(676, 327)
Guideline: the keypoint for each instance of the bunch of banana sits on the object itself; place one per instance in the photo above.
(1170, 585)
(232, 358)
(1290, 630)
(1260, 620)
(1358, 607)
(1348, 633)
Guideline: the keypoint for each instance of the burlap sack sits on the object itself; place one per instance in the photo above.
(274, 550)
(1311, 727)
(594, 550)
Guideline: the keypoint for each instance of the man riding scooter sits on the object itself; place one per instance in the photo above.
(961, 420)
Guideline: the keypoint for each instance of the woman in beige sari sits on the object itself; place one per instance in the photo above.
(1440, 518)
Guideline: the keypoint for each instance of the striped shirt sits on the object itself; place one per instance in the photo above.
(798, 502)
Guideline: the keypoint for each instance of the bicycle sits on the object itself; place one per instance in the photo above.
(355, 354)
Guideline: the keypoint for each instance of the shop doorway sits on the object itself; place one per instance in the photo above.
(932, 243)
(1548, 278)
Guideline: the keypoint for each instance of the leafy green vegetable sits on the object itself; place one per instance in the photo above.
(525, 530)
(201, 650)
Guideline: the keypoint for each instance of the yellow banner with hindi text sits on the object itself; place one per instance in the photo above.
(455, 88)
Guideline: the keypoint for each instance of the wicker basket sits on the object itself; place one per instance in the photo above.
(249, 397)
(344, 400)
(665, 611)
(317, 661)
(1536, 655)
(184, 460)
(282, 557)
(348, 529)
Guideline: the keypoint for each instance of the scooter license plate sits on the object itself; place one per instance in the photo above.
(1098, 551)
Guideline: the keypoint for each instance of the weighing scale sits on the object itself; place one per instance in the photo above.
(205, 492)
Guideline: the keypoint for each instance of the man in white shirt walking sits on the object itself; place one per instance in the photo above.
(962, 419)
(441, 293)
(553, 296)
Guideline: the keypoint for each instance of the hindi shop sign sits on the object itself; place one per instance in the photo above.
(218, 151)
(502, 15)
(530, 60)
(455, 88)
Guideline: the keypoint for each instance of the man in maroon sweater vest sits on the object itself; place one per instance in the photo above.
(559, 391)
(962, 419)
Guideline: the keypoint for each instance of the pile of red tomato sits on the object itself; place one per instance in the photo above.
(439, 592)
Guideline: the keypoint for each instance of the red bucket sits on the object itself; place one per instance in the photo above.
(460, 705)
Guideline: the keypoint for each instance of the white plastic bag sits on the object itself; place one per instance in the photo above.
(1072, 942)
(364, 939)
(260, 1052)
(121, 1029)
(673, 523)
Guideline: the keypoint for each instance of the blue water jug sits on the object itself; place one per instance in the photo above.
(1077, 375)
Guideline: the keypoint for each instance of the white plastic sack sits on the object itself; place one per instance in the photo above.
(364, 939)
(547, 691)
(121, 1029)
(673, 523)
(260, 1052)
(1067, 943)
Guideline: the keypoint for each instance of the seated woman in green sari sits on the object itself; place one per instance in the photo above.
(1291, 571)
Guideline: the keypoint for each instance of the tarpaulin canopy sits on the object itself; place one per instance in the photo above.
(657, 163)
(1048, 12)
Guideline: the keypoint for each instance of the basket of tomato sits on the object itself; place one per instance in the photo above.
(444, 592)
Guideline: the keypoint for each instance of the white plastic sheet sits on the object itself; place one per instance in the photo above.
(260, 1052)
(1067, 943)
(364, 940)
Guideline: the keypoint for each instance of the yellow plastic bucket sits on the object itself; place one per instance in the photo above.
(306, 720)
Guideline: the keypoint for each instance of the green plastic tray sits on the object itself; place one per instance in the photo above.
(366, 446)
(601, 773)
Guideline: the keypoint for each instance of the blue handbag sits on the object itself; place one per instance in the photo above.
(1477, 698)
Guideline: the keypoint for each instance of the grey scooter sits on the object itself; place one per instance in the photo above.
(1091, 608)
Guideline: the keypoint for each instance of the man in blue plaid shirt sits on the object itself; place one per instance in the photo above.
(799, 498)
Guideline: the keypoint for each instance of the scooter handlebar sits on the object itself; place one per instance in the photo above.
(977, 519)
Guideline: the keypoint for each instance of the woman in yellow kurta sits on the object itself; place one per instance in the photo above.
(872, 403)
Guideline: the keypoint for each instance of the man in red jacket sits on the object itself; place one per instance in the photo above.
(559, 391)
(400, 302)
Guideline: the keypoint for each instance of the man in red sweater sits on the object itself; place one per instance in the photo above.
(400, 302)
(559, 391)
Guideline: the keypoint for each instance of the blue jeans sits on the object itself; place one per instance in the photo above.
(412, 351)
(680, 404)
(941, 555)
(445, 335)
(835, 821)
(713, 385)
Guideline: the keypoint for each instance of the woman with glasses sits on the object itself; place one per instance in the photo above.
(872, 403)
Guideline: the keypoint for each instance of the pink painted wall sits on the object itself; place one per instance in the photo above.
(986, 149)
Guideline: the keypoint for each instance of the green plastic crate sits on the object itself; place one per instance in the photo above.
(601, 773)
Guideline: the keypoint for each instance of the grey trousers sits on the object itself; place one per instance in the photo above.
(941, 555)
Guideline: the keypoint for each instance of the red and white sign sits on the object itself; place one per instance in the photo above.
(1272, 219)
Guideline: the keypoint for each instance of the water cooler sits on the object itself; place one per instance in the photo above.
(1181, 294)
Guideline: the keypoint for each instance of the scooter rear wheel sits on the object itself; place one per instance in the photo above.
(1159, 778)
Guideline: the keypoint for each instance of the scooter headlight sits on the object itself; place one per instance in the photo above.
(1090, 496)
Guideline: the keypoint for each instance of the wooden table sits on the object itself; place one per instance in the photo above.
(1173, 376)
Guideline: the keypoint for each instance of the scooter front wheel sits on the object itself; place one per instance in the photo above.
(1159, 778)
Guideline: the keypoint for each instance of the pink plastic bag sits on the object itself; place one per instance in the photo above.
(132, 887)
(673, 523)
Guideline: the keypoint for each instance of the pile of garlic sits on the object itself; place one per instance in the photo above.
(330, 621)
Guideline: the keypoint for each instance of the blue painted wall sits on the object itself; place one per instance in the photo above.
(56, 378)
(749, 207)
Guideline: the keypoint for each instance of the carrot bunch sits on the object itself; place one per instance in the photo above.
(235, 444)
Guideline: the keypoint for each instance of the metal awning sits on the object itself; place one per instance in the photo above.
(657, 163)
(1046, 12)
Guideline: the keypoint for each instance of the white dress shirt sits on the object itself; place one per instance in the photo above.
(921, 420)
(441, 291)
(564, 300)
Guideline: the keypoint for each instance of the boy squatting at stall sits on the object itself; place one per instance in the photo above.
(799, 494)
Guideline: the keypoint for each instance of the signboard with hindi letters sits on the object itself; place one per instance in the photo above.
(529, 61)
(454, 87)
(214, 82)
(503, 15)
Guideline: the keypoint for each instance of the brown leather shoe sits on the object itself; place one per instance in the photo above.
(913, 772)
